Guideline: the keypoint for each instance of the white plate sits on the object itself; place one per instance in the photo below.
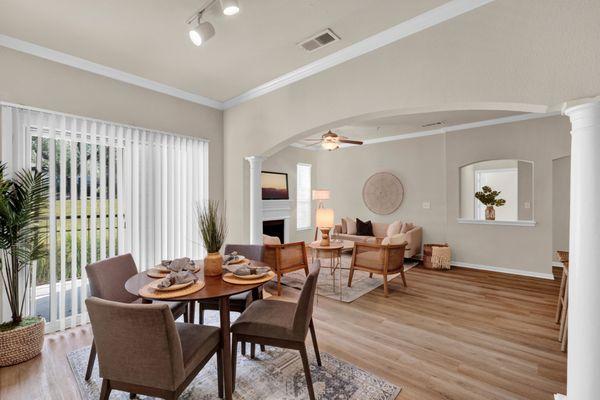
(154, 285)
(251, 276)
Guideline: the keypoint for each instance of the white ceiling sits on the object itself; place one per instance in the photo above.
(400, 125)
(148, 38)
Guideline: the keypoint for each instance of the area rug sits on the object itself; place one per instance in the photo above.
(276, 374)
(328, 284)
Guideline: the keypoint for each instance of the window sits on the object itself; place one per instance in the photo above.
(303, 190)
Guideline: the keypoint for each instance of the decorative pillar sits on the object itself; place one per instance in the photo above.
(583, 365)
(255, 199)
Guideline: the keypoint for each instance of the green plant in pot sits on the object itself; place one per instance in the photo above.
(213, 229)
(23, 238)
(489, 198)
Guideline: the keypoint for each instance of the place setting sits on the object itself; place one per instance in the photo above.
(173, 278)
(239, 270)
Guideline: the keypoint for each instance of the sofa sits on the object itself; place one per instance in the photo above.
(383, 233)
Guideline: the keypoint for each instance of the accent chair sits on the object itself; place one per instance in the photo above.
(284, 258)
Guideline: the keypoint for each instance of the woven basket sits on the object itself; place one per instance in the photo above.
(21, 344)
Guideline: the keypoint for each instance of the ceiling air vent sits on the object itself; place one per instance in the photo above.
(319, 40)
(433, 124)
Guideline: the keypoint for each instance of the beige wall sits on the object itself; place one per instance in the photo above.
(561, 178)
(429, 169)
(474, 60)
(36, 82)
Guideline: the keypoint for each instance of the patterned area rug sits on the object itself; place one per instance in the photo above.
(329, 284)
(276, 374)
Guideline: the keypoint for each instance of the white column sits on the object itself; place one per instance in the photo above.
(583, 367)
(255, 199)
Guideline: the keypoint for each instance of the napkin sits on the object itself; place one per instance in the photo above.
(176, 278)
(230, 258)
(180, 264)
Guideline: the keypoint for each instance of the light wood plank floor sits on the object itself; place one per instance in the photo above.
(462, 334)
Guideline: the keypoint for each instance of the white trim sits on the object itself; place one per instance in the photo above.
(445, 130)
(103, 70)
(557, 264)
(486, 222)
(416, 24)
(512, 271)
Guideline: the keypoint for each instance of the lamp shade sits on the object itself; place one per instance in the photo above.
(325, 218)
(321, 194)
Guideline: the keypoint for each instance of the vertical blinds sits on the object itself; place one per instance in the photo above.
(113, 189)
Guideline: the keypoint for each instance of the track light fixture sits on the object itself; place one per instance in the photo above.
(201, 31)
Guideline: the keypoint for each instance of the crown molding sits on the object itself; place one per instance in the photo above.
(103, 70)
(416, 24)
(446, 129)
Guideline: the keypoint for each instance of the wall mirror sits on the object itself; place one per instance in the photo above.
(480, 182)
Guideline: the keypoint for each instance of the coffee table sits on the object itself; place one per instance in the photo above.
(334, 253)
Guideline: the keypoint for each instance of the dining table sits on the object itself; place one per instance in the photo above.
(215, 288)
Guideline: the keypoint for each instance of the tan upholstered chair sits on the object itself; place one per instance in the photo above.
(381, 259)
(107, 281)
(284, 258)
(141, 349)
(281, 324)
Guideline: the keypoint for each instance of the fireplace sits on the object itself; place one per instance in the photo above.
(275, 228)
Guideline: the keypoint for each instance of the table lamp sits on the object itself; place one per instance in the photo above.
(320, 195)
(325, 222)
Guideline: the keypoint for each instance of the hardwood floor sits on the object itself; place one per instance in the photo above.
(462, 334)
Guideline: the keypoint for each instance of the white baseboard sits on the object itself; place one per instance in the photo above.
(503, 270)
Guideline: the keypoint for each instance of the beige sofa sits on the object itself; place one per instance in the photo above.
(413, 237)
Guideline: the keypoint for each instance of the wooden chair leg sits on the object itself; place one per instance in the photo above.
(191, 311)
(560, 296)
(565, 339)
(370, 274)
(403, 277)
(563, 320)
(220, 372)
(350, 276)
(186, 313)
(132, 395)
(278, 283)
(263, 348)
(234, 347)
(385, 285)
(243, 348)
(252, 350)
(306, 270)
(105, 391)
(91, 361)
(311, 325)
(200, 313)
(309, 385)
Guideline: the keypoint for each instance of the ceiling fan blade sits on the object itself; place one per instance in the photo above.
(350, 141)
(312, 140)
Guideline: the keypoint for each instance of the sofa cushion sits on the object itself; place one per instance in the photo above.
(380, 229)
(356, 238)
(407, 226)
(364, 228)
(350, 226)
(344, 226)
(398, 238)
(393, 228)
(371, 259)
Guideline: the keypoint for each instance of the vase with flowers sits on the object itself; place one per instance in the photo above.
(489, 198)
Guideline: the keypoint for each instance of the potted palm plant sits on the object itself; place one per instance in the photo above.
(23, 234)
(488, 197)
(213, 228)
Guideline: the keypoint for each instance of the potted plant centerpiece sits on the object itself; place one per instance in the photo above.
(213, 229)
(23, 234)
(488, 197)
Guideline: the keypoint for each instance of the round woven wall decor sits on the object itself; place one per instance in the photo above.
(383, 193)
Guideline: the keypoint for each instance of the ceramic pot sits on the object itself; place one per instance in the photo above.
(490, 213)
(213, 264)
(21, 344)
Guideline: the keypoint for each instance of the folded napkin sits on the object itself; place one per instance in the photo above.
(230, 258)
(176, 278)
(245, 270)
(180, 264)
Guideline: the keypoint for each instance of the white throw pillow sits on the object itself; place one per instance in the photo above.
(271, 239)
(394, 228)
(350, 226)
(407, 226)
(398, 238)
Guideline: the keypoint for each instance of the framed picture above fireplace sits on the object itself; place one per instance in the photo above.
(274, 185)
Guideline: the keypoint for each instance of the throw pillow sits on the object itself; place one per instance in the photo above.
(407, 227)
(271, 239)
(364, 228)
(350, 226)
(344, 226)
(394, 228)
(398, 238)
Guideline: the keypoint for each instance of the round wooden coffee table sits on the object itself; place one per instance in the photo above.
(215, 288)
(334, 252)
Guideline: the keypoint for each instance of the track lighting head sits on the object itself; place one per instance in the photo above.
(230, 7)
(202, 32)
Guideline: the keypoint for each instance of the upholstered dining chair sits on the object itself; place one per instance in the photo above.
(281, 324)
(142, 350)
(237, 302)
(383, 259)
(107, 281)
(284, 258)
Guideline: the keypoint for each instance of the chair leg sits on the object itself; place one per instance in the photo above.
(243, 348)
(565, 338)
(186, 313)
(105, 391)
(132, 395)
(200, 314)
(350, 276)
(370, 274)
(311, 325)
(252, 350)
(91, 361)
(306, 270)
(191, 311)
(220, 372)
(309, 385)
(385, 285)
(279, 284)
(561, 292)
(403, 277)
(234, 346)
(263, 348)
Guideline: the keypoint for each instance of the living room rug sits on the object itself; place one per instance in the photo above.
(275, 374)
(329, 284)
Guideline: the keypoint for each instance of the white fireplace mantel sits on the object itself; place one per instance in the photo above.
(273, 210)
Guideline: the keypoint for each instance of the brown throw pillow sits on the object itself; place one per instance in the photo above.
(364, 228)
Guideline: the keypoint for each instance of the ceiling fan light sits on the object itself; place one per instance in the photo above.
(201, 33)
(230, 7)
(329, 145)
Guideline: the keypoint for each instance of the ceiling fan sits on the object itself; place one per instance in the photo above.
(331, 141)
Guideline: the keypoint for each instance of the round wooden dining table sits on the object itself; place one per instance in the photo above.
(215, 288)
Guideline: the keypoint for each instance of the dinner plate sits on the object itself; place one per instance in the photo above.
(154, 285)
(251, 276)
